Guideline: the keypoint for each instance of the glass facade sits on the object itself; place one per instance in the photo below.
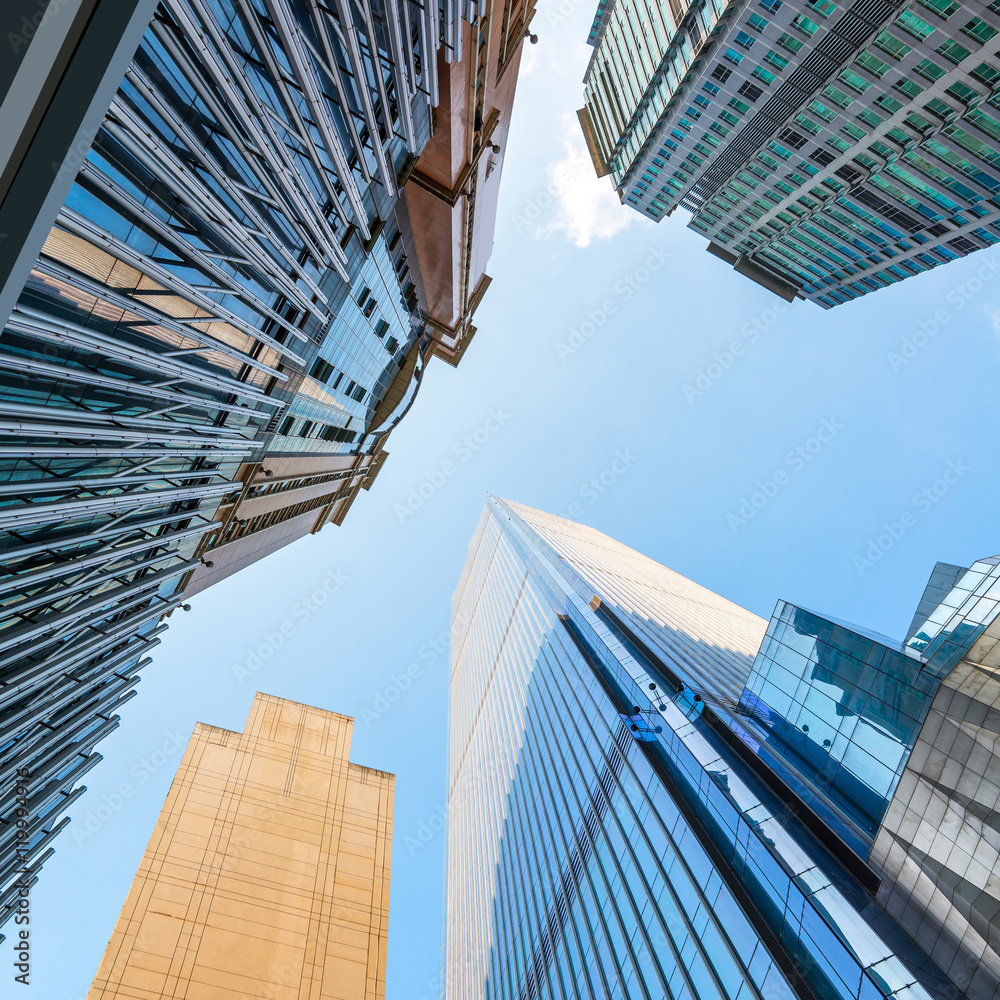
(604, 838)
(840, 711)
(226, 280)
(836, 712)
(825, 150)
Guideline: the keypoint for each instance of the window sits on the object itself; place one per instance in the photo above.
(306, 429)
(872, 64)
(731, 55)
(390, 345)
(721, 74)
(985, 73)
(321, 370)
(710, 88)
(750, 91)
(286, 425)
(744, 41)
(837, 97)
(771, 5)
(358, 393)
(854, 81)
(804, 25)
(822, 156)
(756, 22)
(928, 70)
(739, 106)
(822, 7)
(838, 143)
(823, 111)
(853, 131)
(919, 124)
(381, 328)
(702, 101)
(808, 124)
(773, 59)
(964, 94)
(727, 117)
(892, 45)
(888, 103)
(979, 30)
(762, 74)
(953, 51)
(939, 108)
(943, 8)
(362, 296)
(869, 118)
(908, 87)
(792, 138)
(914, 25)
(790, 43)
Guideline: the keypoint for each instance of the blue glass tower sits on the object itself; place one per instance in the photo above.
(641, 806)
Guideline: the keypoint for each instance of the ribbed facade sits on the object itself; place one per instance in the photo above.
(606, 837)
(827, 150)
(222, 327)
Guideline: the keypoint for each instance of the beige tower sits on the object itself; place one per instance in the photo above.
(267, 874)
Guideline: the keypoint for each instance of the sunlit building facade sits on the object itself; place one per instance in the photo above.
(826, 150)
(224, 317)
(267, 873)
(655, 793)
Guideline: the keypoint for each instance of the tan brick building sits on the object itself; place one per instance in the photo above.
(267, 874)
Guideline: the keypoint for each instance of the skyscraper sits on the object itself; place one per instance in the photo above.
(826, 150)
(225, 314)
(655, 793)
(267, 873)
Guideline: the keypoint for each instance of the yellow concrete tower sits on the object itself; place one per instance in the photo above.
(267, 874)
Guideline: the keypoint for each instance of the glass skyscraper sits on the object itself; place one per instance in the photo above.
(655, 793)
(826, 149)
(223, 322)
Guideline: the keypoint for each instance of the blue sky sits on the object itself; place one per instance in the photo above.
(772, 469)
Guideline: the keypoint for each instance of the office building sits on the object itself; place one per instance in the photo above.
(825, 149)
(267, 874)
(655, 793)
(225, 313)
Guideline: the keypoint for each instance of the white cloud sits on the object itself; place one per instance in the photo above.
(586, 206)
